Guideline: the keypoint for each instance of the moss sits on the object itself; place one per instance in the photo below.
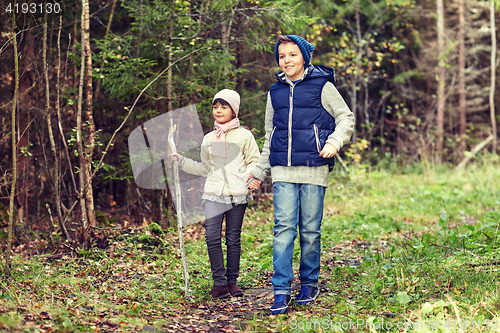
(144, 239)
(156, 229)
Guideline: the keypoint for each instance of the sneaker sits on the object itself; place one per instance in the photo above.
(307, 295)
(280, 304)
(219, 292)
(234, 290)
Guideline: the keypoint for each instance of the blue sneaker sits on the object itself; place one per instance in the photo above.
(307, 295)
(280, 304)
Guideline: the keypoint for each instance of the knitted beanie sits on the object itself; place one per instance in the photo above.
(230, 96)
(304, 46)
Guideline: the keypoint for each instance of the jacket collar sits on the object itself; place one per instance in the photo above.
(312, 71)
(281, 76)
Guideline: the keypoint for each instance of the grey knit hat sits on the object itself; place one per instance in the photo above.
(230, 96)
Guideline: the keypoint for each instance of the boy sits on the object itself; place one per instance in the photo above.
(307, 121)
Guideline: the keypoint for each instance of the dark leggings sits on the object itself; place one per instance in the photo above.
(214, 214)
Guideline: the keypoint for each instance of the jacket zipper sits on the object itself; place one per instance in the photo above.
(290, 128)
(317, 138)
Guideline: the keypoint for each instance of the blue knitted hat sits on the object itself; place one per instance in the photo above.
(304, 46)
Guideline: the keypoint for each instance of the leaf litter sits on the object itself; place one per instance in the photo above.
(100, 290)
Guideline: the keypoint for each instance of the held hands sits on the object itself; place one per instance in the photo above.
(254, 184)
(328, 151)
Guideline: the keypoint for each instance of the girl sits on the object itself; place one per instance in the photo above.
(227, 155)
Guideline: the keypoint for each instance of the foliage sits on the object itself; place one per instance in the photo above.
(355, 150)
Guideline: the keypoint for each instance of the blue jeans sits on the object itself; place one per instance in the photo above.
(302, 205)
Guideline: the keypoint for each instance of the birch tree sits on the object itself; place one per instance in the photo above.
(14, 150)
(441, 81)
(89, 116)
(461, 78)
(493, 75)
(79, 143)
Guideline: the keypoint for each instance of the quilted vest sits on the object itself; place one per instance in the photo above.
(301, 125)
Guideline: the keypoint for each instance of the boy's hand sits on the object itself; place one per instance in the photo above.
(328, 151)
(254, 184)
(175, 156)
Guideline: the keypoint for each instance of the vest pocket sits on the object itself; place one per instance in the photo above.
(271, 138)
(316, 135)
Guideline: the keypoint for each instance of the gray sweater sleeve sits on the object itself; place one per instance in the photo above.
(344, 118)
(262, 167)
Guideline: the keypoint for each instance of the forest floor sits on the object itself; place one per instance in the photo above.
(411, 251)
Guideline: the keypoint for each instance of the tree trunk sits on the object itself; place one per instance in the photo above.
(14, 150)
(79, 144)
(441, 82)
(56, 173)
(354, 106)
(91, 133)
(170, 207)
(161, 219)
(170, 203)
(75, 70)
(461, 78)
(138, 53)
(225, 37)
(355, 74)
(170, 58)
(58, 109)
(26, 61)
(493, 76)
(108, 28)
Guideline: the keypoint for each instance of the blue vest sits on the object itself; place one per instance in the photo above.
(301, 125)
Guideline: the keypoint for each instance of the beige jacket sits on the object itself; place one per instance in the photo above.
(225, 175)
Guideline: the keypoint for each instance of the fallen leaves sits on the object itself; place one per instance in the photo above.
(89, 292)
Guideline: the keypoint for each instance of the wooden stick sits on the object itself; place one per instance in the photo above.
(483, 263)
(50, 215)
(342, 162)
(474, 151)
(458, 249)
(178, 205)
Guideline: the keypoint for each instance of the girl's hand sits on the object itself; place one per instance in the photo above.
(328, 151)
(175, 156)
(254, 184)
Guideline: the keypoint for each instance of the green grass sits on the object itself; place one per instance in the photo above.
(422, 231)
(415, 248)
